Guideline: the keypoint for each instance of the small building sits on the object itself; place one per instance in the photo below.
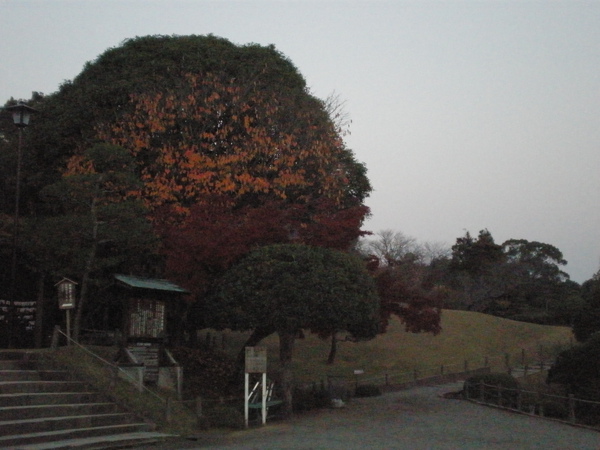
(152, 311)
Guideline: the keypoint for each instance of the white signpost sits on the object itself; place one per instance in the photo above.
(256, 362)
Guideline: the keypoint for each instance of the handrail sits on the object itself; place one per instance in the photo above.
(114, 366)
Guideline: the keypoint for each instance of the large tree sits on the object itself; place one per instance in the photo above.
(205, 119)
(289, 288)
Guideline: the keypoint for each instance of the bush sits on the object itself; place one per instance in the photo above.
(493, 384)
(226, 417)
(207, 372)
(553, 409)
(308, 399)
(367, 390)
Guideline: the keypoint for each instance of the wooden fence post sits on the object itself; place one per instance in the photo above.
(572, 417)
(168, 412)
(481, 391)
(199, 412)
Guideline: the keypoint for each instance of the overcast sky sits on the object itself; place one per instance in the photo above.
(467, 114)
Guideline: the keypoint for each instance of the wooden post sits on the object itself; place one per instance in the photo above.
(168, 410)
(572, 417)
(264, 398)
(246, 392)
(481, 391)
(199, 412)
(522, 356)
(55, 337)
(68, 326)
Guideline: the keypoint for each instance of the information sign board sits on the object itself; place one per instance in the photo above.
(256, 360)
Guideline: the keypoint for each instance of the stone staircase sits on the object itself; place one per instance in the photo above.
(42, 408)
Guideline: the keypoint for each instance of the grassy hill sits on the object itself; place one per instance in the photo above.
(466, 336)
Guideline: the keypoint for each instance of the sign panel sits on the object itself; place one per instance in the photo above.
(256, 360)
(66, 294)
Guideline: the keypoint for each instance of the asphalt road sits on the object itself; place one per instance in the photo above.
(414, 419)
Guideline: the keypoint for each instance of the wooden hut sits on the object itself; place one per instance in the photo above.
(151, 321)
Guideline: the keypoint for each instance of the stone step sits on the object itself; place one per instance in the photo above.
(12, 387)
(46, 439)
(16, 355)
(49, 398)
(39, 411)
(140, 439)
(34, 375)
(17, 364)
(42, 408)
(46, 424)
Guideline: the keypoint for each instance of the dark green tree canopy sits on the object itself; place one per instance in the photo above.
(289, 287)
(476, 256)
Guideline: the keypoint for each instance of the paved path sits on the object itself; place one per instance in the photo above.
(413, 419)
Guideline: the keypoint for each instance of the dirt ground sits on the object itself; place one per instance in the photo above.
(414, 419)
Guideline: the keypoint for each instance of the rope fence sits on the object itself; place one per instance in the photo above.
(565, 408)
(521, 363)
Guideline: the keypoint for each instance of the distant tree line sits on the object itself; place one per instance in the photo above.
(518, 279)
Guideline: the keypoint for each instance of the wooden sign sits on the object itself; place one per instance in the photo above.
(256, 360)
(66, 293)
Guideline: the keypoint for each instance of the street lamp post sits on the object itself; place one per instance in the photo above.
(21, 114)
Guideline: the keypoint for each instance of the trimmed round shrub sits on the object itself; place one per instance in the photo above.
(367, 390)
(307, 399)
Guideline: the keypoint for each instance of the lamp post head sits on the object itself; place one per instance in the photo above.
(21, 114)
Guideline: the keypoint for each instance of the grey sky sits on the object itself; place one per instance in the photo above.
(468, 114)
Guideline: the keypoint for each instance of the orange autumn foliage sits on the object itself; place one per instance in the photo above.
(214, 137)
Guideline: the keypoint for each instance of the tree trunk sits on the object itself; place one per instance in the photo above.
(286, 350)
(88, 265)
(257, 335)
(84, 286)
(332, 349)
